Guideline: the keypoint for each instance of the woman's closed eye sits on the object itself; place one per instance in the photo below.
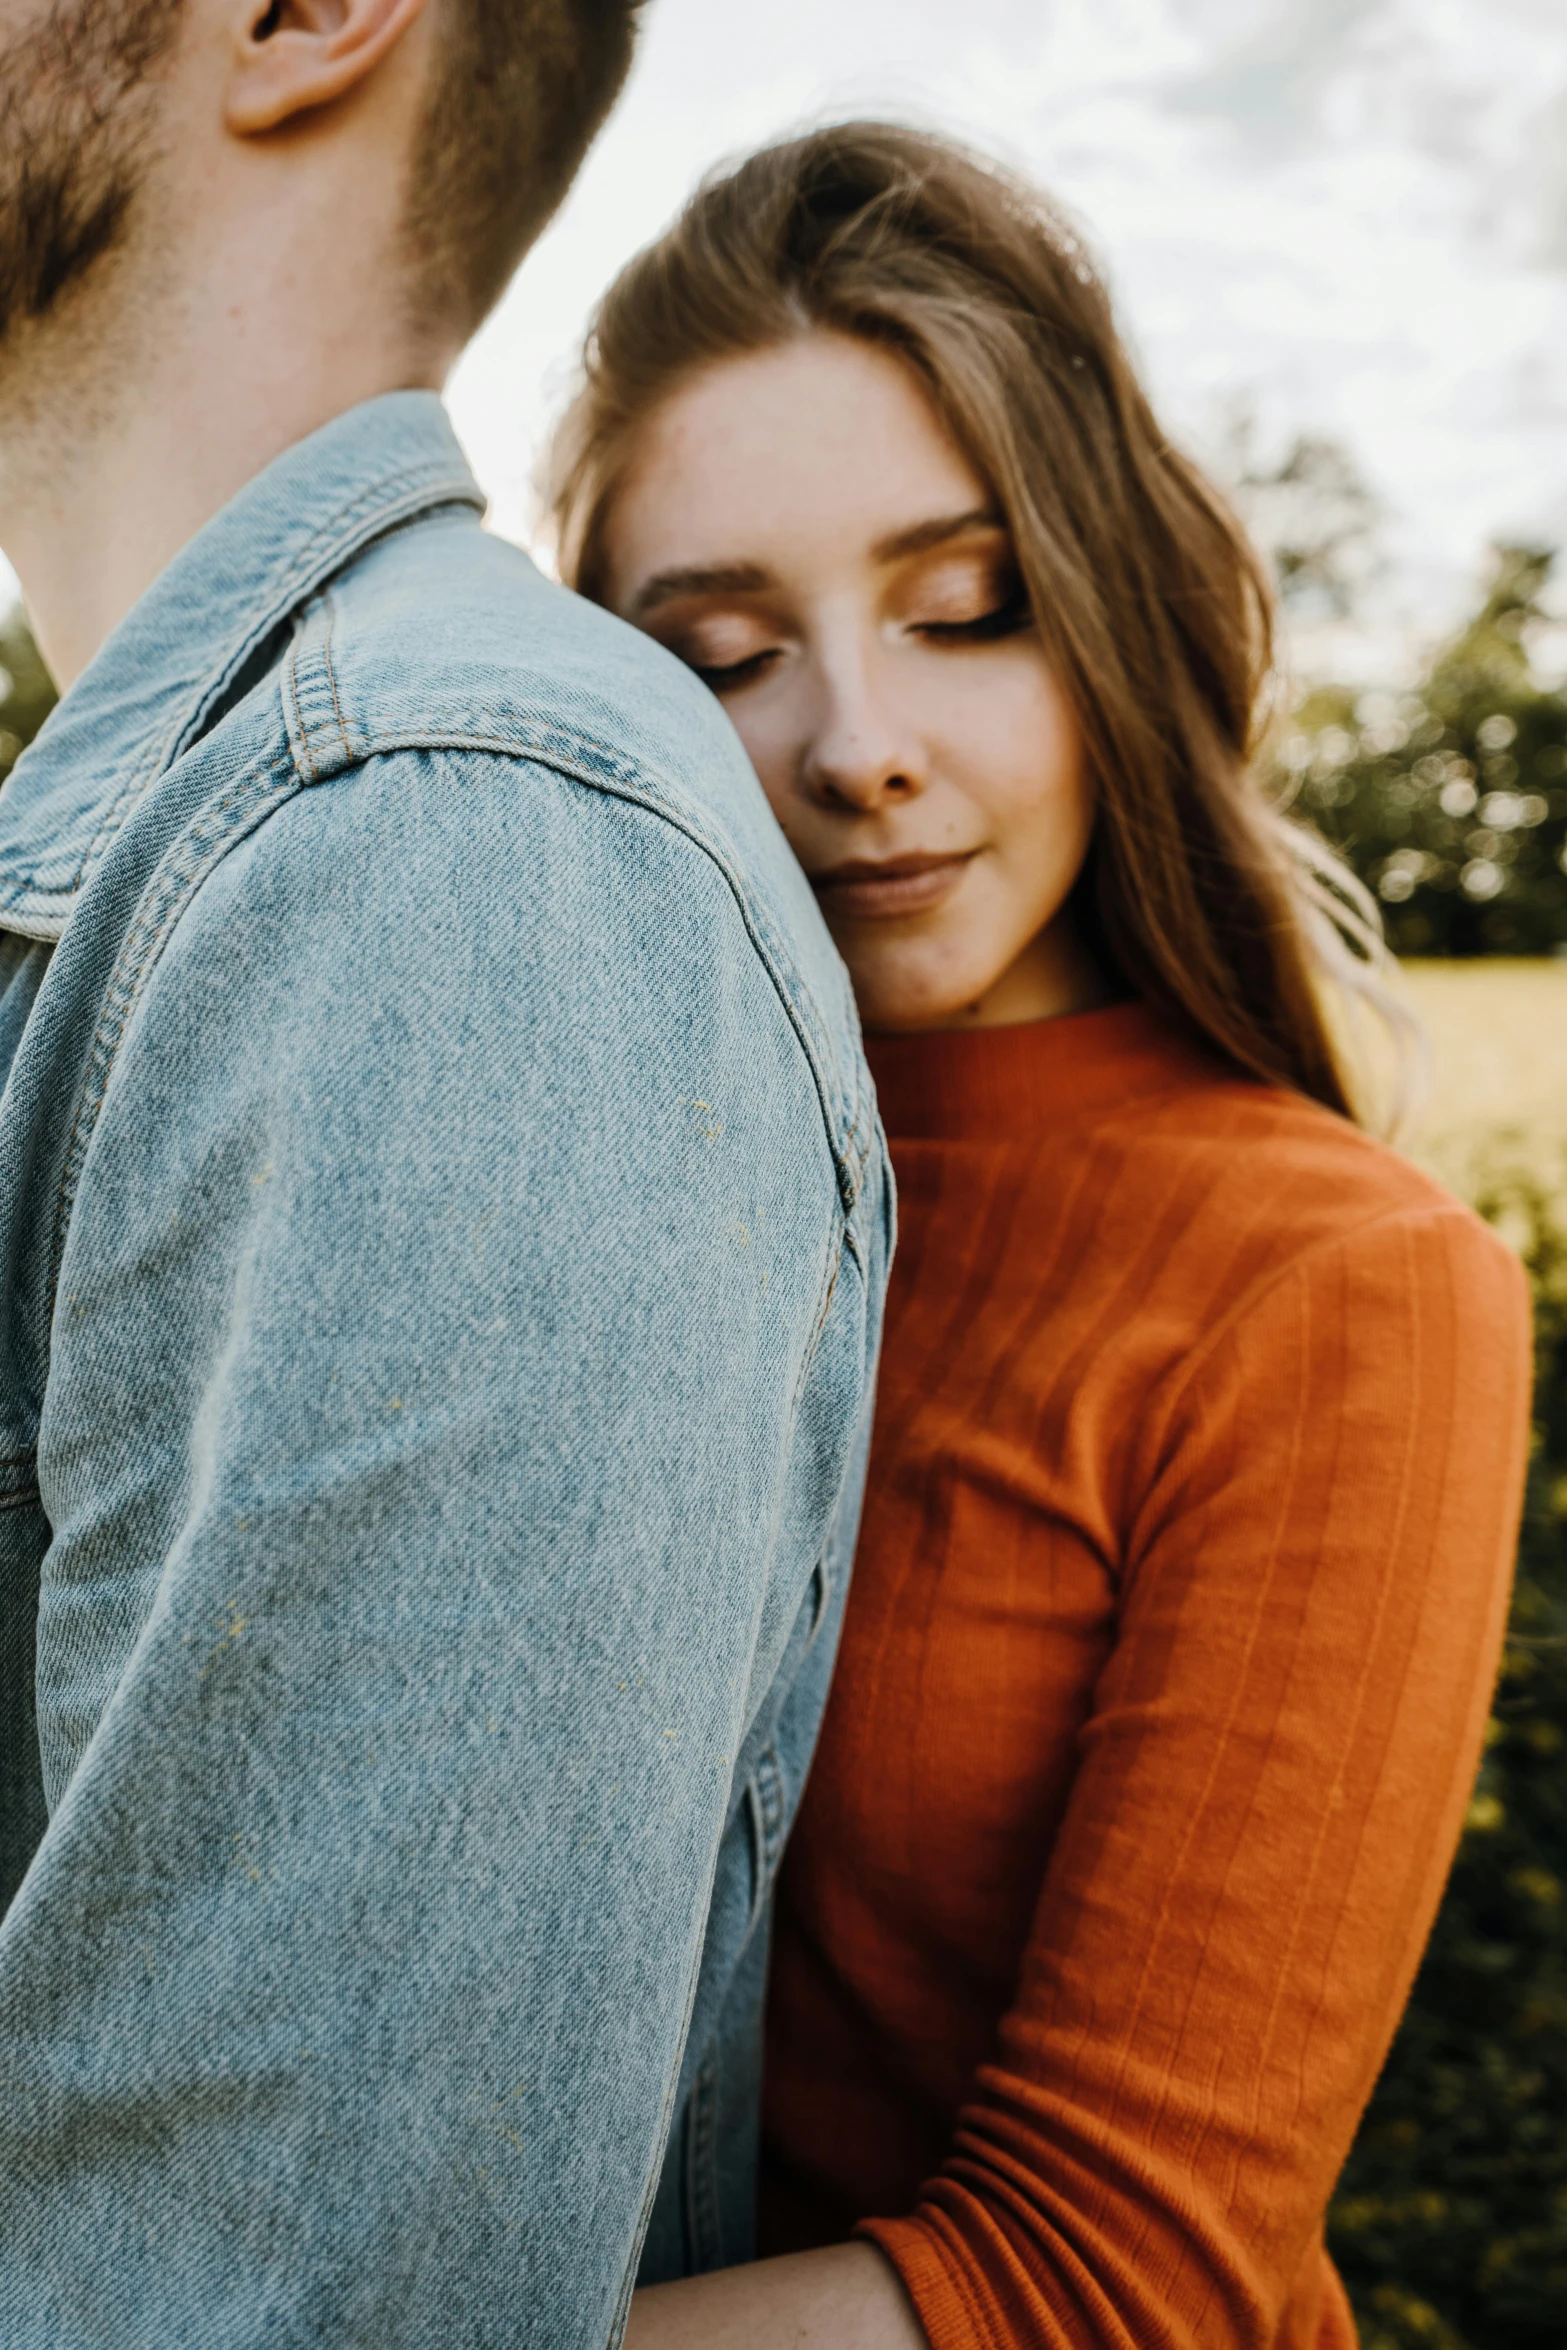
(1006, 618)
(723, 676)
(724, 649)
(967, 603)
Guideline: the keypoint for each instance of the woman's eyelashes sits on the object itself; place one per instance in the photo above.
(971, 610)
(1004, 619)
(724, 649)
(723, 676)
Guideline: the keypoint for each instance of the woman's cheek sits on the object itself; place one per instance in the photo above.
(1049, 789)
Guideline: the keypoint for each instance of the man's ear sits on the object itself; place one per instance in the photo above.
(291, 56)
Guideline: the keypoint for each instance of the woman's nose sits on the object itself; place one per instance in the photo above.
(860, 756)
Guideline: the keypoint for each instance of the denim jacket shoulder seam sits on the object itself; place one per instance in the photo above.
(169, 892)
(845, 1133)
(335, 534)
(401, 497)
(851, 1128)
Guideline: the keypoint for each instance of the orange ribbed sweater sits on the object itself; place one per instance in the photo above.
(1184, 1567)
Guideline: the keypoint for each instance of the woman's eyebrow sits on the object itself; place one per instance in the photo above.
(749, 579)
(700, 579)
(934, 533)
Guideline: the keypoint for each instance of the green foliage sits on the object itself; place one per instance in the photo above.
(1451, 801)
(26, 694)
(1451, 2220)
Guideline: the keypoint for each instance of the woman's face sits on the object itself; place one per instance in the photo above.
(800, 528)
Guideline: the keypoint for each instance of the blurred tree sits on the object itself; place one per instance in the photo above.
(1450, 2224)
(26, 693)
(1313, 512)
(1451, 800)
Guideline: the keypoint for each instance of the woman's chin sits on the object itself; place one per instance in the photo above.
(904, 1003)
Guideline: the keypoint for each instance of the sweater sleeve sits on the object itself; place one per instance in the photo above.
(1271, 1787)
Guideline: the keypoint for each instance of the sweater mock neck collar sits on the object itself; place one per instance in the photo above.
(981, 1084)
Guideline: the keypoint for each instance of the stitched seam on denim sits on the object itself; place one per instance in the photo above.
(553, 750)
(331, 675)
(772, 1804)
(405, 496)
(832, 1291)
(298, 563)
(299, 749)
(702, 2149)
(849, 1153)
(859, 1241)
(761, 1876)
(311, 664)
(808, 1357)
(164, 900)
(672, 2092)
(142, 945)
(849, 1150)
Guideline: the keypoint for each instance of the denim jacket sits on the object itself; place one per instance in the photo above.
(443, 1226)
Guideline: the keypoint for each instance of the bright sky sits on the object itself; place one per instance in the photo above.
(1348, 215)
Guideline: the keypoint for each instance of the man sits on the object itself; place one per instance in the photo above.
(442, 1233)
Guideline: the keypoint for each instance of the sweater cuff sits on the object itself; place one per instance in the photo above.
(934, 2281)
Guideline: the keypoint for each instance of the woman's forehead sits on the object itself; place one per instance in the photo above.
(822, 444)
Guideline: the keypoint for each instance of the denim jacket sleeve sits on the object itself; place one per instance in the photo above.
(433, 1460)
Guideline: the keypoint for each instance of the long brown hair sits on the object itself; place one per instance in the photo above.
(1151, 604)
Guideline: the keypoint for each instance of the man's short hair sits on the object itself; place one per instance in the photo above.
(521, 88)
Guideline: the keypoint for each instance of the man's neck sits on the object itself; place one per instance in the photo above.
(99, 490)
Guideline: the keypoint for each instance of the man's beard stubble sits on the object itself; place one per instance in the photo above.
(75, 123)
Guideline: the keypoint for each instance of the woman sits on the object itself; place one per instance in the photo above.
(1202, 1417)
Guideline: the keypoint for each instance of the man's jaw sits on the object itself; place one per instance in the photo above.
(77, 105)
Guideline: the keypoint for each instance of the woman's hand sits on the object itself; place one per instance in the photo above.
(846, 2297)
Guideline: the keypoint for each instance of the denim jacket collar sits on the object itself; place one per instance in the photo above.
(154, 685)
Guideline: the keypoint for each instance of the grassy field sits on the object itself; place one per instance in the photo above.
(1497, 1095)
(1451, 2219)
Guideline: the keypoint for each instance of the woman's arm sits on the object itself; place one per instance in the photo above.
(843, 2298)
(1270, 1789)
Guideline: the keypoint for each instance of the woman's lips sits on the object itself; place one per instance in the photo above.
(881, 888)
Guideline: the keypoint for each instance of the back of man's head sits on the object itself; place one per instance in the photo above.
(520, 88)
